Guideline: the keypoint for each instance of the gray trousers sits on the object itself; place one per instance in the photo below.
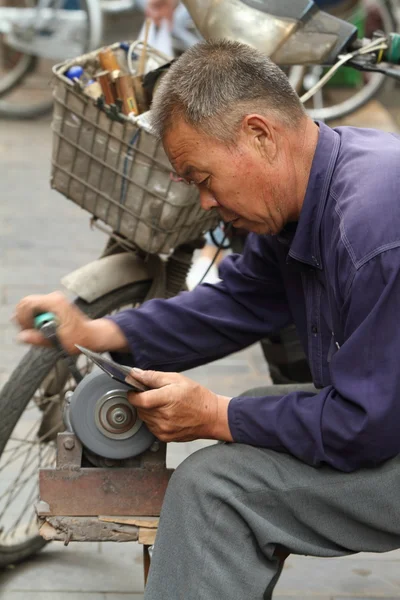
(230, 509)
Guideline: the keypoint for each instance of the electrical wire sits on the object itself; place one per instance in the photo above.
(378, 44)
(219, 249)
(216, 242)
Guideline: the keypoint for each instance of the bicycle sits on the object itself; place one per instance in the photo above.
(127, 273)
(33, 36)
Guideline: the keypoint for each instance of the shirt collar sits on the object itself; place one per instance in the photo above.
(306, 245)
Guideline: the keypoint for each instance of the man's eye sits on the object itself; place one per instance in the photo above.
(206, 182)
(192, 182)
(175, 177)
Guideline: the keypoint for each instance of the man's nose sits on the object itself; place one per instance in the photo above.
(207, 200)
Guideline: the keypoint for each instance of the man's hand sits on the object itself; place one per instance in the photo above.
(74, 326)
(178, 409)
(157, 10)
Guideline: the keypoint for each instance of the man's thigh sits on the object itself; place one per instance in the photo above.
(284, 502)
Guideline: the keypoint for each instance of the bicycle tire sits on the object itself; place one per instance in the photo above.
(369, 91)
(11, 110)
(8, 111)
(32, 370)
(25, 64)
(12, 80)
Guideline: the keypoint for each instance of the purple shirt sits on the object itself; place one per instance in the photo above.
(336, 276)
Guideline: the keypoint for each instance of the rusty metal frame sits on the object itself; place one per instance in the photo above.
(72, 490)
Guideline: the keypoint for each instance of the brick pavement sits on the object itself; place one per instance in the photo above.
(42, 237)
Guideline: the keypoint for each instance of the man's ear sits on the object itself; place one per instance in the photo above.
(261, 135)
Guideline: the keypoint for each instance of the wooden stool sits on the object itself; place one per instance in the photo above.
(102, 529)
(146, 535)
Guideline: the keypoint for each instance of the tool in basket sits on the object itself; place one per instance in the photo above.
(137, 80)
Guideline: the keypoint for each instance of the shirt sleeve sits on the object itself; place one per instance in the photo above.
(355, 422)
(212, 320)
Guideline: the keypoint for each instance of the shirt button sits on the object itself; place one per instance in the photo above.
(314, 329)
(315, 261)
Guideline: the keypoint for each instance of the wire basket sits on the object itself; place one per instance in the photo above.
(118, 171)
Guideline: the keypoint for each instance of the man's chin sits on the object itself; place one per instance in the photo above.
(236, 223)
(242, 224)
(258, 228)
(251, 227)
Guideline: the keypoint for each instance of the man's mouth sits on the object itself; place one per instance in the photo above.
(229, 221)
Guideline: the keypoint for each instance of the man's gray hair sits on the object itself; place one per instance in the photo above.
(213, 85)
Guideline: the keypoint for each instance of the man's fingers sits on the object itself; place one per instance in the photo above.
(24, 311)
(148, 400)
(158, 11)
(35, 304)
(155, 379)
(154, 16)
(31, 336)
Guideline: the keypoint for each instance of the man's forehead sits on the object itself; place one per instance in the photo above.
(183, 168)
(186, 156)
(180, 137)
(189, 150)
(178, 141)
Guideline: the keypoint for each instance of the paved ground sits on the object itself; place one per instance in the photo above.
(42, 237)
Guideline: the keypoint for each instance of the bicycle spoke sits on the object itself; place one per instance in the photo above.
(2, 55)
(29, 502)
(12, 530)
(13, 497)
(18, 482)
(23, 443)
(15, 456)
(27, 454)
(31, 497)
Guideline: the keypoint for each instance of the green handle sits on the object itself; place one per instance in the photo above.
(43, 319)
(392, 54)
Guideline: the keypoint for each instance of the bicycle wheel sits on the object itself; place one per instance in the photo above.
(14, 65)
(30, 405)
(24, 79)
(349, 90)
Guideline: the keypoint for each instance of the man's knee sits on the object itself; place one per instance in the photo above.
(203, 473)
(216, 471)
(194, 471)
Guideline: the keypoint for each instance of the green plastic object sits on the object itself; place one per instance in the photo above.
(44, 318)
(393, 52)
(346, 76)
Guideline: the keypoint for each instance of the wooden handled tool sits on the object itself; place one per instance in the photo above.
(124, 88)
(137, 80)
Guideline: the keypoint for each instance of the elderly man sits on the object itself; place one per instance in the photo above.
(309, 472)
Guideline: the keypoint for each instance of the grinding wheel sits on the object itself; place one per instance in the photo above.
(104, 421)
